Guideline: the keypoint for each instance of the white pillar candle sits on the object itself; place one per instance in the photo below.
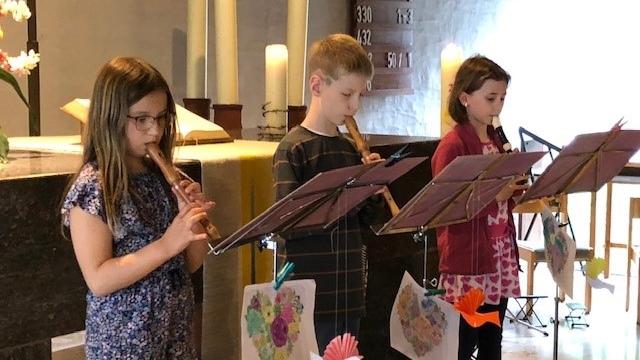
(276, 84)
(226, 51)
(450, 60)
(197, 49)
(297, 16)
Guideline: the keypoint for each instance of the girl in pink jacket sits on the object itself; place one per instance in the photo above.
(481, 253)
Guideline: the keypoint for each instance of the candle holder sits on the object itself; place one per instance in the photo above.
(270, 131)
(198, 106)
(228, 116)
(295, 116)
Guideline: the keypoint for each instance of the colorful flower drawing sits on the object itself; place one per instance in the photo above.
(274, 327)
(557, 252)
(423, 323)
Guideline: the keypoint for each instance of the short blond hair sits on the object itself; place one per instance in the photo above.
(337, 55)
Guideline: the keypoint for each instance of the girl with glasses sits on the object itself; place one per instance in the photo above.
(135, 243)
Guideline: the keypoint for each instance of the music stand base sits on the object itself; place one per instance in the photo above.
(555, 325)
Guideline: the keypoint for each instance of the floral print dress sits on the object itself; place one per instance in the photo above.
(150, 319)
(504, 283)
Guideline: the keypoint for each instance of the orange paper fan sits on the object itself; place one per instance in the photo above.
(468, 306)
(342, 347)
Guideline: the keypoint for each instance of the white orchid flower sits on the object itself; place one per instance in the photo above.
(23, 63)
(18, 9)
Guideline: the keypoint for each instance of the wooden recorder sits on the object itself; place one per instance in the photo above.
(173, 178)
(363, 149)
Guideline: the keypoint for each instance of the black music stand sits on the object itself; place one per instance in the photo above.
(552, 151)
(320, 202)
(465, 187)
(460, 191)
(587, 163)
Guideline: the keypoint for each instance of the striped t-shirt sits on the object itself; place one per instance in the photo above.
(334, 259)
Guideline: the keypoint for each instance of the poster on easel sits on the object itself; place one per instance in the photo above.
(278, 324)
(559, 251)
(423, 327)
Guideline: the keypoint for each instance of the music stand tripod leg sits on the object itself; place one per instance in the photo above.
(268, 241)
(555, 325)
(513, 318)
(421, 236)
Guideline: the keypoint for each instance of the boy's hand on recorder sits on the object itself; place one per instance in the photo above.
(371, 158)
(194, 192)
(513, 186)
(181, 231)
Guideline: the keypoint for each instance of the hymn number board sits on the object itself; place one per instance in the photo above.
(385, 29)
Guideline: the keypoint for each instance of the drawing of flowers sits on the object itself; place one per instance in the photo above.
(279, 332)
(556, 245)
(423, 323)
(274, 327)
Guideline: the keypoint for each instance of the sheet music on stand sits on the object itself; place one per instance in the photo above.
(319, 203)
(465, 187)
(585, 165)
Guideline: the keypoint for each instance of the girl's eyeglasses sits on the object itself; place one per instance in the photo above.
(145, 122)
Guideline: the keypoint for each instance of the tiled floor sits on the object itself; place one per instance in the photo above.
(612, 333)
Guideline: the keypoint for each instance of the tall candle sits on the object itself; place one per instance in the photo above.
(297, 16)
(276, 84)
(450, 60)
(226, 51)
(197, 49)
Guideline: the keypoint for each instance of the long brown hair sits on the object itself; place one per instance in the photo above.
(121, 82)
(470, 77)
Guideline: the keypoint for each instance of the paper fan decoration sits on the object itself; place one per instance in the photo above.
(468, 306)
(342, 347)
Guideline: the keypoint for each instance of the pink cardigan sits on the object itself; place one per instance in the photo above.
(461, 251)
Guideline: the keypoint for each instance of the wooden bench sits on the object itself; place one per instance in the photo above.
(533, 252)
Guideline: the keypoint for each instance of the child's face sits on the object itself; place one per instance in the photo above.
(341, 98)
(485, 102)
(146, 120)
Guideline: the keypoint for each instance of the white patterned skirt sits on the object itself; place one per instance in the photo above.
(503, 283)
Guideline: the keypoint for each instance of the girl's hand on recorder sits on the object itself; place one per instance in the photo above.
(194, 192)
(184, 229)
(513, 186)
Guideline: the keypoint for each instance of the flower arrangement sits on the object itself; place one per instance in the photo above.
(423, 323)
(274, 327)
(19, 65)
